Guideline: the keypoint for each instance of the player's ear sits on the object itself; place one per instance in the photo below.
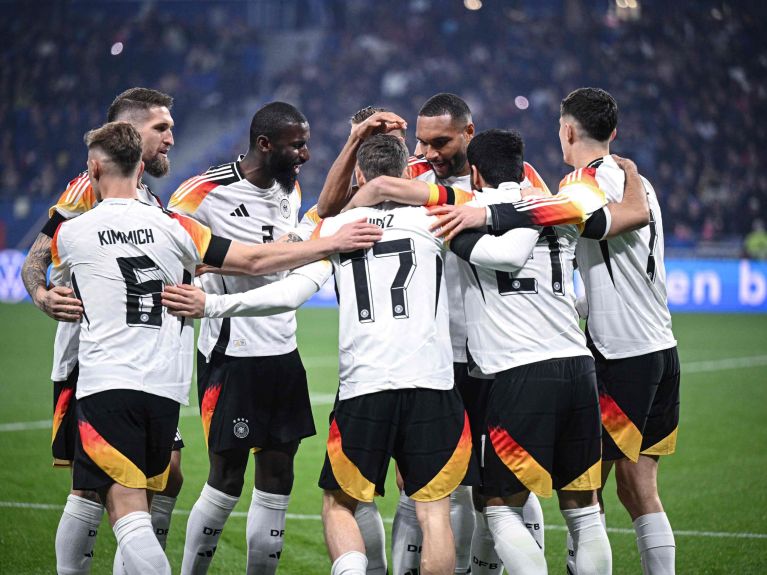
(469, 130)
(94, 169)
(140, 172)
(570, 132)
(263, 144)
(359, 176)
(613, 135)
(476, 183)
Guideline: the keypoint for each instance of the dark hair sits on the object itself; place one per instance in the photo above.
(135, 99)
(594, 109)
(272, 118)
(498, 156)
(120, 141)
(446, 104)
(382, 155)
(365, 113)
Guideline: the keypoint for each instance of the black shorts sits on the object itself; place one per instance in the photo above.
(543, 429)
(64, 436)
(425, 430)
(253, 402)
(125, 437)
(474, 393)
(639, 397)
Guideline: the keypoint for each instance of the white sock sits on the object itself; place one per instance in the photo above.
(484, 559)
(571, 569)
(513, 542)
(203, 529)
(655, 541)
(140, 550)
(372, 528)
(406, 538)
(533, 516)
(462, 523)
(592, 548)
(351, 563)
(161, 511)
(76, 535)
(265, 531)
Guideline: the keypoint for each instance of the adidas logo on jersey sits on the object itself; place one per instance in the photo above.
(240, 212)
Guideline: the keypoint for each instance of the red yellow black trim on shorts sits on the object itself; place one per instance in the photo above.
(590, 480)
(451, 475)
(622, 430)
(207, 407)
(62, 406)
(348, 475)
(519, 461)
(116, 465)
(665, 446)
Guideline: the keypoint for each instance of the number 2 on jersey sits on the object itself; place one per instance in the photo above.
(508, 284)
(359, 262)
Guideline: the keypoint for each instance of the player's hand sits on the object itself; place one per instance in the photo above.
(359, 235)
(452, 220)
(625, 164)
(184, 300)
(378, 123)
(58, 302)
(531, 192)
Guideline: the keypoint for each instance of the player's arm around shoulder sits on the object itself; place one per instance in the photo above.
(57, 302)
(627, 208)
(275, 257)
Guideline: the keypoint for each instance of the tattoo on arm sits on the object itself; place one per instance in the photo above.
(36, 264)
(290, 238)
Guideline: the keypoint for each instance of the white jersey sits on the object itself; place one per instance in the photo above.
(393, 313)
(308, 223)
(232, 207)
(118, 257)
(452, 264)
(624, 276)
(77, 199)
(528, 315)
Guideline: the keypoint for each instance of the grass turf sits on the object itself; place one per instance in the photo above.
(715, 483)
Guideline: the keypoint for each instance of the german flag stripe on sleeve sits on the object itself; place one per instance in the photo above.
(77, 199)
(199, 233)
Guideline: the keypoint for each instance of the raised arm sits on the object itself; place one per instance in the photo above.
(408, 192)
(337, 189)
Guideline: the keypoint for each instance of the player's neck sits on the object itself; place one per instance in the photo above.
(256, 172)
(583, 155)
(117, 189)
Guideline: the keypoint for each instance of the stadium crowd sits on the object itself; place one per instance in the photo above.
(691, 80)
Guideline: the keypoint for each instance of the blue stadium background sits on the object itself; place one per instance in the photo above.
(690, 80)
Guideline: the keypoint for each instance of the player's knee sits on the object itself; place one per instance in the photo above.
(86, 494)
(274, 471)
(227, 472)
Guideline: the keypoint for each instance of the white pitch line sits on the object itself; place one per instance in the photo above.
(305, 517)
(705, 366)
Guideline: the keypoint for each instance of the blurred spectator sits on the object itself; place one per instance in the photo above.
(690, 80)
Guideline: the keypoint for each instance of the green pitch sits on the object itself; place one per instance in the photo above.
(713, 489)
